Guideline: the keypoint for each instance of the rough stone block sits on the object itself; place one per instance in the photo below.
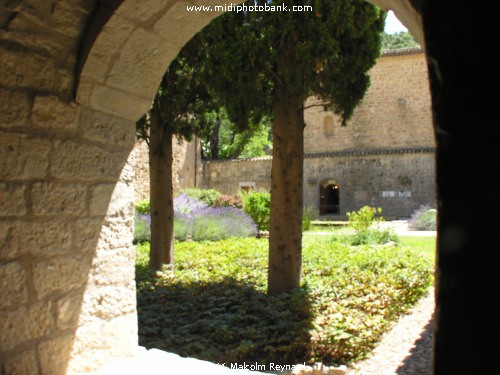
(116, 233)
(107, 302)
(122, 104)
(24, 363)
(78, 161)
(143, 52)
(23, 157)
(56, 199)
(116, 338)
(54, 355)
(61, 275)
(108, 43)
(100, 197)
(106, 129)
(23, 68)
(140, 12)
(12, 202)
(51, 112)
(25, 323)
(113, 266)
(122, 201)
(86, 234)
(68, 311)
(179, 25)
(44, 238)
(14, 108)
(12, 285)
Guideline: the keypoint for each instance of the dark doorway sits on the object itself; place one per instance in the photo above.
(329, 201)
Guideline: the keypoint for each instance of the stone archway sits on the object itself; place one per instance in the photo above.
(128, 48)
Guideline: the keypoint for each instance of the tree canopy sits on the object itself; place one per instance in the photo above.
(399, 40)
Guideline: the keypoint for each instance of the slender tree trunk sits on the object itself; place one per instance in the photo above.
(161, 195)
(214, 140)
(285, 235)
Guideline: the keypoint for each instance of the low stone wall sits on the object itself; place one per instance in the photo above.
(398, 181)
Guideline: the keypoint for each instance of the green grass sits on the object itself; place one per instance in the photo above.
(425, 245)
(215, 307)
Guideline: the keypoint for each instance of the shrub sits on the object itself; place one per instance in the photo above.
(257, 205)
(363, 218)
(182, 226)
(424, 218)
(195, 220)
(217, 223)
(310, 213)
(143, 207)
(234, 200)
(185, 204)
(373, 237)
(207, 196)
(362, 221)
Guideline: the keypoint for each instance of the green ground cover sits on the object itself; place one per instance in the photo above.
(215, 307)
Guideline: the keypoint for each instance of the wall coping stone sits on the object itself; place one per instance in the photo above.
(419, 150)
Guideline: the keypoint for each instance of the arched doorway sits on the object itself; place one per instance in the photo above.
(329, 198)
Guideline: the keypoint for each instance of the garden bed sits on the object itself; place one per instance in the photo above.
(215, 307)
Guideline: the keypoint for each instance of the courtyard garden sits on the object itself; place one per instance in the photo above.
(356, 282)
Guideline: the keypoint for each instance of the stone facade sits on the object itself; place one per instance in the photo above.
(384, 157)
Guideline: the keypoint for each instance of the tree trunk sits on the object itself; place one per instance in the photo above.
(161, 195)
(214, 140)
(285, 235)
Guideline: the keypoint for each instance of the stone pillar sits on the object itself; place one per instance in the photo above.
(66, 255)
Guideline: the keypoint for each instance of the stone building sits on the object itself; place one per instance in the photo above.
(75, 76)
(384, 157)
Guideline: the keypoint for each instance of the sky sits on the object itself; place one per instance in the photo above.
(392, 24)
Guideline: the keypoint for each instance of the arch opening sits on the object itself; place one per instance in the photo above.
(329, 197)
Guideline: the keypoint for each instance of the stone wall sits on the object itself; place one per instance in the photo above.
(66, 257)
(186, 169)
(395, 112)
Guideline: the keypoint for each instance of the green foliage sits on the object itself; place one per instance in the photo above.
(363, 218)
(373, 236)
(260, 144)
(143, 207)
(326, 52)
(257, 205)
(207, 196)
(399, 40)
(310, 213)
(424, 218)
(225, 140)
(216, 307)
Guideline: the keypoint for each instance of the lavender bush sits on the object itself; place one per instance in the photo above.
(217, 223)
(142, 228)
(196, 220)
(424, 218)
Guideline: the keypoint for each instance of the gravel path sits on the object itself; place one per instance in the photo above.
(406, 349)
